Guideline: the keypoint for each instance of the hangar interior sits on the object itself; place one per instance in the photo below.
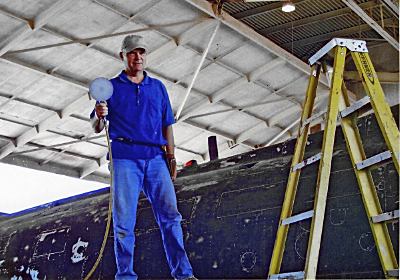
(234, 69)
(248, 92)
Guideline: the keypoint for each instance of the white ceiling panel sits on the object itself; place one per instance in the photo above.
(48, 87)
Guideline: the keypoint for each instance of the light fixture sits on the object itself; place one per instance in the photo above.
(288, 6)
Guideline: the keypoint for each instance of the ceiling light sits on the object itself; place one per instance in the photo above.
(288, 6)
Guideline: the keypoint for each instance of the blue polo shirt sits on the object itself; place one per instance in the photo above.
(137, 113)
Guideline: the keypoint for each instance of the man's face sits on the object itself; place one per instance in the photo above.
(135, 60)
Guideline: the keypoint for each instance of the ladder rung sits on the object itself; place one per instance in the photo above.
(288, 275)
(310, 119)
(355, 106)
(373, 160)
(385, 216)
(298, 217)
(393, 273)
(306, 162)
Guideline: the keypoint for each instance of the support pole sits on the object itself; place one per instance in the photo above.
(197, 70)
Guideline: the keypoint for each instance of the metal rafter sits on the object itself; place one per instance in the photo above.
(171, 45)
(310, 20)
(224, 91)
(27, 29)
(8, 148)
(182, 40)
(54, 168)
(372, 23)
(37, 146)
(393, 7)
(216, 132)
(68, 80)
(55, 118)
(251, 34)
(333, 34)
(82, 138)
(262, 10)
(203, 57)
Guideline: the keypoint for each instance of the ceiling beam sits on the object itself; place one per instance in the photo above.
(171, 46)
(283, 114)
(383, 77)
(40, 20)
(218, 133)
(327, 36)
(182, 39)
(213, 60)
(282, 133)
(257, 38)
(93, 166)
(310, 20)
(248, 133)
(83, 138)
(392, 6)
(197, 71)
(372, 23)
(39, 147)
(267, 8)
(226, 90)
(265, 101)
(31, 133)
(27, 162)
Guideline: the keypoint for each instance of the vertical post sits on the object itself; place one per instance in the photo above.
(290, 194)
(197, 70)
(382, 111)
(325, 165)
(366, 184)
(213, 147)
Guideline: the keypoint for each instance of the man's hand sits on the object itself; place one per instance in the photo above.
(172, 166)
(101, 110)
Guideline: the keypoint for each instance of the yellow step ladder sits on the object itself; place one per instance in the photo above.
(339, 106)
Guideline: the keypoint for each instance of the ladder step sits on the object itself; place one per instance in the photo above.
(355, 106)
(385, 216)
(310, 119)
(393, 273)
(306, 162)
(373, 160)
(288, 275)
(298, 217)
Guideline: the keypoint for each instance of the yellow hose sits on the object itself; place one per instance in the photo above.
(103, 245)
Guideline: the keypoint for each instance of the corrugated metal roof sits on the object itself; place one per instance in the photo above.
(339, 19)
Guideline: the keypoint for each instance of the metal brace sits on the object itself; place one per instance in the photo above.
(306, 162)
(355, 106)
(373, 160)
(352, 45)
(288, 275)
(298, 217)
(388, 216)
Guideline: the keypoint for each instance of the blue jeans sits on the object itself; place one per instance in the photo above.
(130, 177)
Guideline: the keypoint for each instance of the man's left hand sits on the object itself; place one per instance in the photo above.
(172, 166)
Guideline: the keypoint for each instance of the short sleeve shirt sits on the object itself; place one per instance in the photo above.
(138, 113)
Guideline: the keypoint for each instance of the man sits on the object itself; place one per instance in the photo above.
(141, 118)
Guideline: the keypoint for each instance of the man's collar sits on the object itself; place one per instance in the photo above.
(124, 78)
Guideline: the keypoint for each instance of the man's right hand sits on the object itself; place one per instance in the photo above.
(101, 110)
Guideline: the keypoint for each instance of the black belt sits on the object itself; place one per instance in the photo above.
(131, 141)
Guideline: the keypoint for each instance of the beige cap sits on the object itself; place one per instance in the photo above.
(132, 42)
